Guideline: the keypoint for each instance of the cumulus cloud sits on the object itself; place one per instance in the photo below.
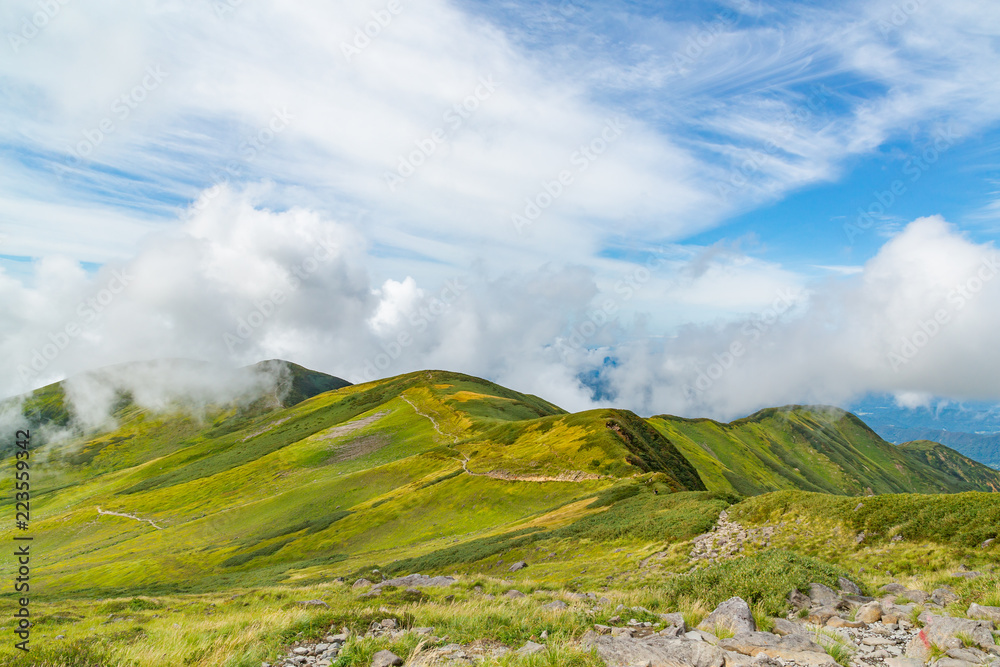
(240, 282)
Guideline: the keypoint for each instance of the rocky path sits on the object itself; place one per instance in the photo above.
(127, 516)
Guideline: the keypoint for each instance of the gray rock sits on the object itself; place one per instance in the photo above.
(556, 605)
(985, 613)
(602, 629)
(672, 631)
(952, 662)
(848, 586)
(823, 596)
(784, 627)
(894, 589)
(654, 651)
(969, 655)
(361, 583)
(416, 581)
(800, 643)
(798, 600)
(386, 659)
(733, 614)
(530, 648)
(944, 596)
(967, 575)
(514, 593)
(313, 603)
(903, 662)
(674, 620)
(749, 643)
(941, 630)
(520, 565)
(422, 631)
(870, 613)
(822, 615)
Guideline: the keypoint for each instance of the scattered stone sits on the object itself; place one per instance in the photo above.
(361, 583)
(520, 565)
(386, 659)
(530, 648)
(733, 614)
(838, 622)
(313, 603)
(967, 575)
(556, 605)
(514, 593)
(602, 629)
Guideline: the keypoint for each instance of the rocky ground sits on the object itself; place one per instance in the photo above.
(900, 628)
(827, 625)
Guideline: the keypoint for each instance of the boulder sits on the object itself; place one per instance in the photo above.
(944, 596)
(749, 643)
(848, 586)
(823, 596)
(903, 662)
(556, 605)
(894, 589)
(800, 643)
(733, 614)
(674, 620)
(838, 622)
(386, 659)
(514, 593)
(870, 613)
(415, 581)
(798, 600)
(984, 613)
(942, 631)
(519, 565)
(654, 651)
(784, 627)
(804, 658)
(361, 583)
(822, 615)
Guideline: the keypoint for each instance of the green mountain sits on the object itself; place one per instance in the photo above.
(428, 471)
(817, 448)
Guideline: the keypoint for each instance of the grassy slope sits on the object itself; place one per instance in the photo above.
(363, 473)
(430, 471)
(816, 449)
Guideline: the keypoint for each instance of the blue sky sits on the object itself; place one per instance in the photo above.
(628, 181)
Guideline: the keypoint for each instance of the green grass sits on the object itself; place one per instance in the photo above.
(763, 580)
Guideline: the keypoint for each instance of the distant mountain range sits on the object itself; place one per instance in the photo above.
(972, 428)
(312, 475)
